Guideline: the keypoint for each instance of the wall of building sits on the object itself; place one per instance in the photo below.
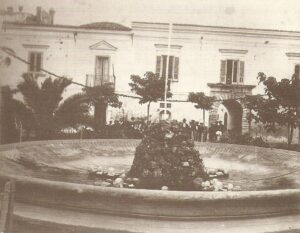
(67, 52)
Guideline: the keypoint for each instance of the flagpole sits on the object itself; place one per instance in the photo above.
(167, 71)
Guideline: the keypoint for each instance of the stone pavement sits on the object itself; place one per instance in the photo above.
(94, 222)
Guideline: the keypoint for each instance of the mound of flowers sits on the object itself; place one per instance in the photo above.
(166, 157)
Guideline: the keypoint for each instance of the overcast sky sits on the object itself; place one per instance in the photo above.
(268, 14)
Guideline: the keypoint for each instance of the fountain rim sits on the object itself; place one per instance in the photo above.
(141, 192)
(145, 203)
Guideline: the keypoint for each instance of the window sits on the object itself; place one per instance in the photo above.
(162, 105)
(102, 70)
(232, 71)
(35, 62)
(173, 67)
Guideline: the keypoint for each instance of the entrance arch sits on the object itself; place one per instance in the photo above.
(230, 112)
(228, 98)
(163, 113)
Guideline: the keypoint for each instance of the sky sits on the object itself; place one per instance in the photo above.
(265, 14)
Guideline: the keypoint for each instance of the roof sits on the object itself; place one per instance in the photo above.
(106, 26)
(210, 27)
(101, 26)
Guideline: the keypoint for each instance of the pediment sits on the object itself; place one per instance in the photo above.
(103, 45)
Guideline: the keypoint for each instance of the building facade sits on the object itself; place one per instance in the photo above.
(220, 61)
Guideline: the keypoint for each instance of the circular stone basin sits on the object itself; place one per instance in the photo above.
(55, 173)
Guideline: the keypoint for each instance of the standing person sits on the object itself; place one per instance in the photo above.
(212, 132)
(193, 129)
(196, 131)
(185, 126)
(201, 132)
(204, 133)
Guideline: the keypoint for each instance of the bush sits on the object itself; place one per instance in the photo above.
(167, 157)
(243, 139)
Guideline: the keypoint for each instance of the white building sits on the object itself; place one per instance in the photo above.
(219, 61)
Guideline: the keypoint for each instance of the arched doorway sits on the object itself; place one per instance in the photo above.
(231, 113)
(228, 96)
(163, 113)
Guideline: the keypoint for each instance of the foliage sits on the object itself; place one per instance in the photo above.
(104, 94)
(14, 114)
(150, 88)
(262, 110)
(43, 103)
(72, 112)
(101, 97)
(283, 103)
(166, 156)
(201, 101)
(243, 139)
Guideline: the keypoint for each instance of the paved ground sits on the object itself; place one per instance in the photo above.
(70, 221)
(22, 226)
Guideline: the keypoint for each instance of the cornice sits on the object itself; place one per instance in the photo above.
(217, 30)
(35, 46)
(233, 51)
(165, 46)
(291, 55)
(230, 86)
(64, 29)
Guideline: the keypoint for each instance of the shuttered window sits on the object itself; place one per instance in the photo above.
(242, 65)
(35, 61)
(158, 65)
(232, 71)
(223, 71)
(173, 67)
(176, 68)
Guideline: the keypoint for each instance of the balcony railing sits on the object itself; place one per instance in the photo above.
(93, 80)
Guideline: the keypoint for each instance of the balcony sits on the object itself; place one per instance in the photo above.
(93, 80)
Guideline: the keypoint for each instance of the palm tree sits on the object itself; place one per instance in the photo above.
(44, 103)
(14, 114)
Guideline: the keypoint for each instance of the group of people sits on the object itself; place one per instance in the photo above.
(135, 127)
(201, 133)
(198, 131)
(132, 128)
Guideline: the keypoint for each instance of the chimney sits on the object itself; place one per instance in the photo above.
(51, 13)
(39, 14)
(10, 10)
(20, 9)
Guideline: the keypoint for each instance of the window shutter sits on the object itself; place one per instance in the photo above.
(176, 68)
(242, 68)
(164, 66)
(158, 65)
(38, 62)
(171, 63)
(105, 69)
(31, 62)
(223, 71)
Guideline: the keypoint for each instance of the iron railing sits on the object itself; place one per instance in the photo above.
(93, 80)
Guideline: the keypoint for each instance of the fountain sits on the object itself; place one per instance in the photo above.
(53, 178)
